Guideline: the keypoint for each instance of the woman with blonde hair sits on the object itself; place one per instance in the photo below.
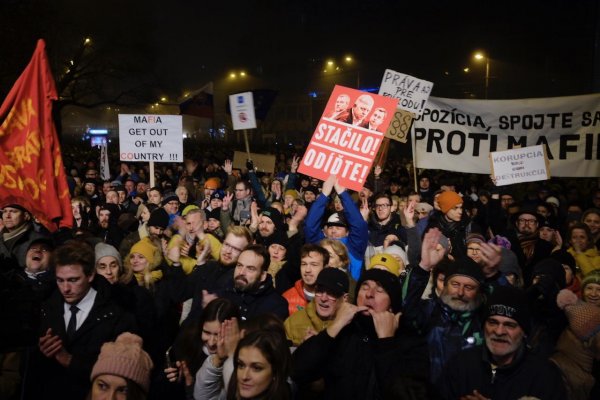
(144, 260)
(339, 258)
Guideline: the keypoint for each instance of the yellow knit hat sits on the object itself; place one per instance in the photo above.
(387, 261)
(146, 248)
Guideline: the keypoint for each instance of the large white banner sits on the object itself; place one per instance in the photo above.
(459, 135)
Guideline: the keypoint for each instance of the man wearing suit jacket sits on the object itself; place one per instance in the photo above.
(75, 321)
(359, 111)
(376, 119)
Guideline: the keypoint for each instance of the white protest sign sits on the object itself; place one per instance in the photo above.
(149, 137)
(526, 164)
(242, 111)
(412, 92)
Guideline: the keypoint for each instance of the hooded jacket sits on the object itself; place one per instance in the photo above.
(358, 232)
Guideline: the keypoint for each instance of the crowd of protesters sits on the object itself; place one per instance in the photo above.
(226, 283)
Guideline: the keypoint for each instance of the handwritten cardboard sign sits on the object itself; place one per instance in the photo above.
(412, 93)
(150, 137)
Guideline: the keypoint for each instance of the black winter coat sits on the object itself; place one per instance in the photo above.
(358, 365)
(528, 375)
(47, 379)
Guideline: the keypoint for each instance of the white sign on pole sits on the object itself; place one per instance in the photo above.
(412, 92)
(242, 111)
(526, 164)
(150, 137)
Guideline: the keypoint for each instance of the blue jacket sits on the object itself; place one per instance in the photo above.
(358, 233)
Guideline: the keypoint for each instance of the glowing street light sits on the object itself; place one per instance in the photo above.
(479, 56)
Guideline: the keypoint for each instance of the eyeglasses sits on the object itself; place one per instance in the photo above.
(384, 206)
(232, 248)
(322, 293)
(41, 249)
(527, 221)
(474, 249)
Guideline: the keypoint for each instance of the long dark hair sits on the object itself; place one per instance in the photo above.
(276, 351)
(188, 346)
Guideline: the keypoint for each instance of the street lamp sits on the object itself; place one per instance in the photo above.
(479, 56)
(346, 62)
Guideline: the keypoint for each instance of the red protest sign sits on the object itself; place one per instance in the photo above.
(348, 136)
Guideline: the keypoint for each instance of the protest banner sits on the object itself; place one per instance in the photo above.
(346, 140)
(459, 135)
(412, 93)
(32, 173)
(150, 137)
(262, 162)
(527, 164)
(242, 111)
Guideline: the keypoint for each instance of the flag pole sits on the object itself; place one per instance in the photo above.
(152, 179)
(247, 144)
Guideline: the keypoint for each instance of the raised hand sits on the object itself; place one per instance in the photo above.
(295, 163)
(328, 185)
(364, 208)
(339, 189)
(409, 213)
(228, 167)
(432, 251)
(227, 201)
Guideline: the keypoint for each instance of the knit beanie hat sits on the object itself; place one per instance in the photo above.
(447, 200)
(592, 277)
(291, 192)
(565, 258)
(105, 250)
(277, 237)
(146, 248)
(125, 358)
(509, 264)
(215, 213)
(552, 269)
(584, 318)
(465, 266)
(387, 261)
(388, 281)
(396, 249)
(212, 183)
(159, 218)
(475, 238)
(510, 302)
(274, 215)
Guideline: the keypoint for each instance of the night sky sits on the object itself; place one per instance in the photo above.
(537, 48)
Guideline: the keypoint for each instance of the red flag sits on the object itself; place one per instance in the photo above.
(31, 167)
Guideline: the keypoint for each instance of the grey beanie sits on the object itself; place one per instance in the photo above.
(509, 264)
(103, 250)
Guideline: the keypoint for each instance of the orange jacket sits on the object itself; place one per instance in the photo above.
(295, 297)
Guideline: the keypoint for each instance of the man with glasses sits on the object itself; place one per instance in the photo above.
(526, 242)
(331, 290)
(383, 223)
(211, 276)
